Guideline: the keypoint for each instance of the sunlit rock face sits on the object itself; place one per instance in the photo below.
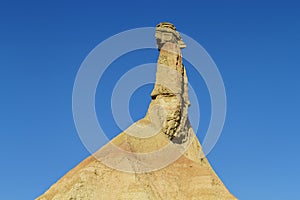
(159, 156)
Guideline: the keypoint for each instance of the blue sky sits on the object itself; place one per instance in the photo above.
(255, 44)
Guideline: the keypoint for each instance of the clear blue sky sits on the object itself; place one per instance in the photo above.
(255, 44)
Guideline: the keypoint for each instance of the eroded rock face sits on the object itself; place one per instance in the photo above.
(158, 157)
(169, 88)
(166, 32)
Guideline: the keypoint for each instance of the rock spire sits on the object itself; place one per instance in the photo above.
(159, 156)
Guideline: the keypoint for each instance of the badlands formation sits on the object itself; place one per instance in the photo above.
(159, 156)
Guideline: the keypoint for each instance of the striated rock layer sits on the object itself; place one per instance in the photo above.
(158, 157)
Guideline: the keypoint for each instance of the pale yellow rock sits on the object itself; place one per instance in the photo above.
(158, 157)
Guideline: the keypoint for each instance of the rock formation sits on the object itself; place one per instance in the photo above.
(159, 156)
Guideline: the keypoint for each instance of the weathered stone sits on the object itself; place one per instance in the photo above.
(166, 32)
(158, 157)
